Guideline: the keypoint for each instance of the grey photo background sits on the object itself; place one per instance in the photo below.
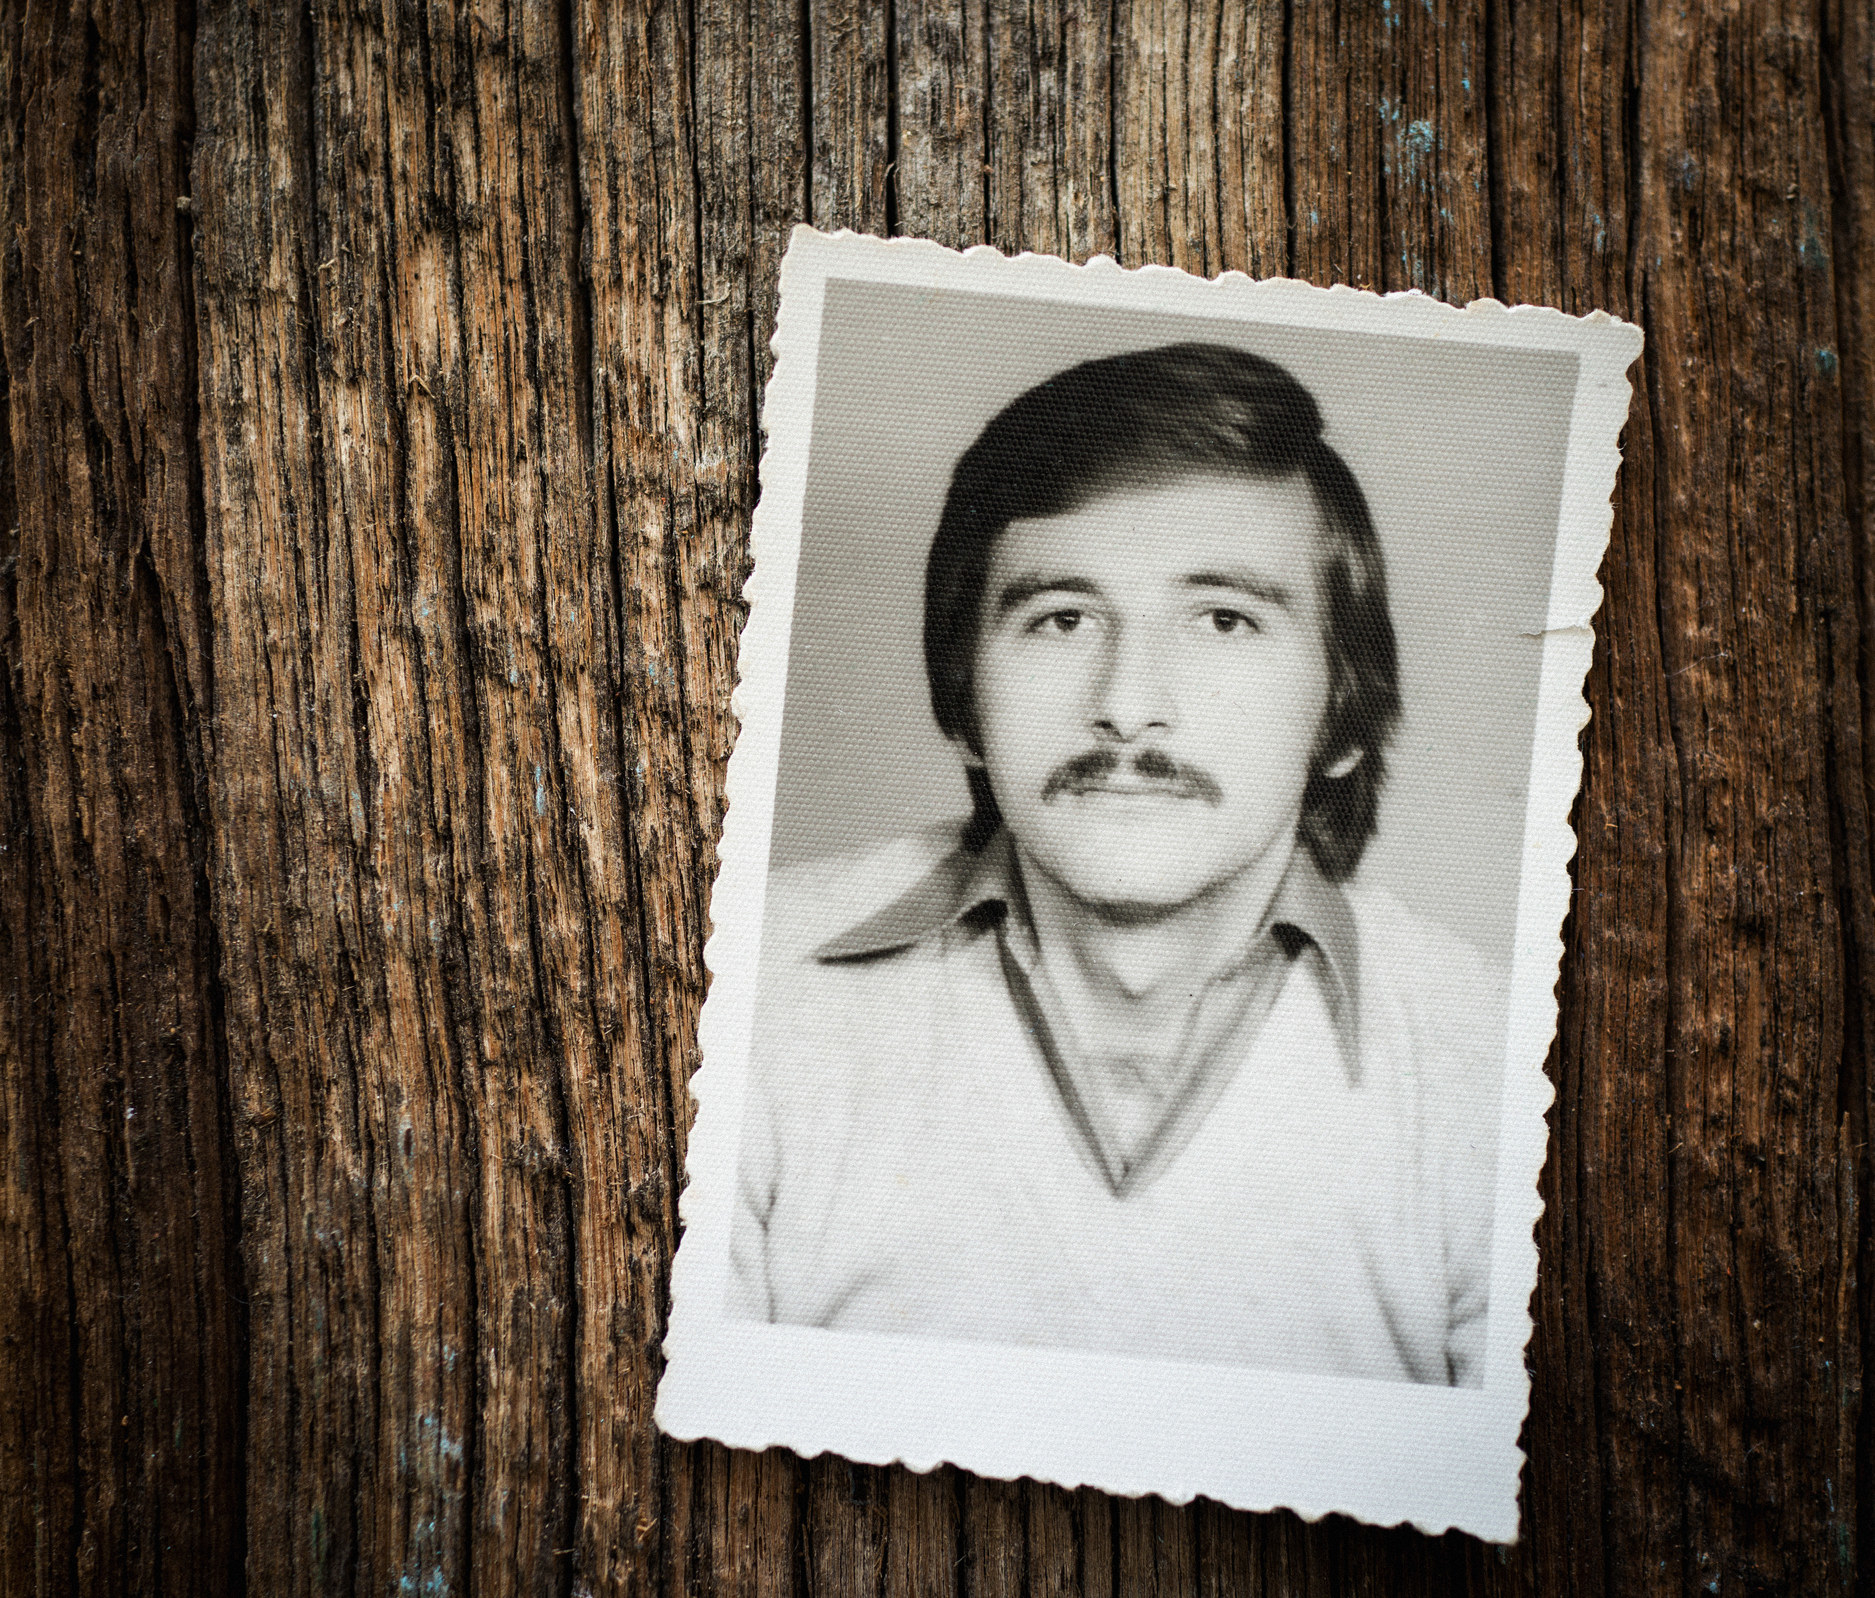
(1460, 449)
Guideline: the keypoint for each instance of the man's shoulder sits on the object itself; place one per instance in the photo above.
(827, 1025)
(1395, 932)
(1433, 976)
(811, 904)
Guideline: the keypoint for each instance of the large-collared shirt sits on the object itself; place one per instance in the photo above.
(913, 1160)
(1133, 1112)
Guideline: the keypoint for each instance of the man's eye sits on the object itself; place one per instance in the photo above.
(1058, 621)
(1233, 621)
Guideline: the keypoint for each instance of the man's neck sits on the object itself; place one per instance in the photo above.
(1127, 978)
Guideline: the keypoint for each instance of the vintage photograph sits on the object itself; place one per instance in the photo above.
(1148, 832)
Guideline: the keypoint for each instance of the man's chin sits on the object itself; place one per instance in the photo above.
(1134, 871)
(1135, 896)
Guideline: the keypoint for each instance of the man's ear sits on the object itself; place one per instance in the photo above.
(1345, 764)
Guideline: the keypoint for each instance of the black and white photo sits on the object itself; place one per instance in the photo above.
(1125, 1060)
(1147, 845)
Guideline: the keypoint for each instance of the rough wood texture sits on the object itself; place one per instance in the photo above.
(380, 392)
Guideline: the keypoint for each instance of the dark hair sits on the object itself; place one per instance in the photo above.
(1152, 417)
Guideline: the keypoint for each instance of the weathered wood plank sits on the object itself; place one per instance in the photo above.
(853, 186)
(120, 1314)
(923, 1526)
(943, 171)
(677, 228)
(1847, 92)
(1193, 96)
(262, 471)
(732, 1515)
(1601, 1431)
(849, 45)
(1735, 278)
(361, 776)
(415, 766)
(1051, 128)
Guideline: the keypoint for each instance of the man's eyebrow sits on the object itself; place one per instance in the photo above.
(1021, 590)
(1266, 589)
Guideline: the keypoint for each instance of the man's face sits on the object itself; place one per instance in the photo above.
(1150, 680)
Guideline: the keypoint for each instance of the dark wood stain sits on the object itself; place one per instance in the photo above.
(381, 391)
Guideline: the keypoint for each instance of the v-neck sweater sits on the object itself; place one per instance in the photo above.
(909, 1163)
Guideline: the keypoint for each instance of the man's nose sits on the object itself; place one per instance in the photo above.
(1134, 695)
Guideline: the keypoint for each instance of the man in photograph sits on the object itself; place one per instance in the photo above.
(1131, 1061)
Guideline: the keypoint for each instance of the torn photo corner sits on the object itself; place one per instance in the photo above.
(1138, 924)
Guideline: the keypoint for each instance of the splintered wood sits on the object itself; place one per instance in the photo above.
(381, 437)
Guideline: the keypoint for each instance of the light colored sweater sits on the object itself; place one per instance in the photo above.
(908, 1165)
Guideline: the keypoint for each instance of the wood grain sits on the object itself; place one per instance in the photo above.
(121, 1347)
(381, 392)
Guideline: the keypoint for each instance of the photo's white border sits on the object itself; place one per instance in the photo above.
(1383, 1452)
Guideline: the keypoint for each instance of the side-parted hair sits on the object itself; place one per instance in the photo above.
(1156, 417)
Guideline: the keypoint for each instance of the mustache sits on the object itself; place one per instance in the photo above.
(1092, 771)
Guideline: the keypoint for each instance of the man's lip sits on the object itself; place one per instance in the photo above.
(1131, 790)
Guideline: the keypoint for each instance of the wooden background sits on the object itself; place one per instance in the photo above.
(380, 391)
